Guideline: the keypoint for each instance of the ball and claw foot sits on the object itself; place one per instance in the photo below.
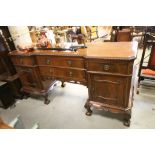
(26, 96)
(85, 106)
(126, 122)
(89, 112)
(47, 101)
(63, 84)
(13, 106)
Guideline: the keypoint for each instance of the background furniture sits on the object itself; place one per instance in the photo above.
(105, 68)
(6, 96)
(147, 63)
(3, 125)
(7, 70)
(16, 123)
(92, 32)
(123, 35)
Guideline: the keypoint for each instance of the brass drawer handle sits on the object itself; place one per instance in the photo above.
(106, 67)
(30, 70)
(33, 84)
(51, 70)
(48, 78)
(48, 61)
(70, 74)
(69, 62)
(21, 61)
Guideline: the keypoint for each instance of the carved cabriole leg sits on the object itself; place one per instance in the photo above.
(63, 84)
(87, 106)
(127, 117)
(86, 103)
(89, 111)
(20, 96)
(46, 101)
(26, 95)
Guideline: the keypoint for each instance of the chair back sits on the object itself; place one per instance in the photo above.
(123, 35)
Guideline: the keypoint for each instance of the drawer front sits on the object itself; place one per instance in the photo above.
(23, 61)
(44, 60)
(71, 74)
(68, 62)
(109, 66)
(46, 71)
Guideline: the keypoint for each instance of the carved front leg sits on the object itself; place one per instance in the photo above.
(88, 106)
(89, 111)
(127, 117)
(46, 101)
(87, 102)
(26, 95)
(63, 84)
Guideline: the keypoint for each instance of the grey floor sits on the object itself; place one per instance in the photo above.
(66, 110)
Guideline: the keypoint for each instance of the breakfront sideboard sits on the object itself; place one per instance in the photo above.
(105, 68)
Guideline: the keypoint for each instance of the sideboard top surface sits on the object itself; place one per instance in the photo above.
(100, 50)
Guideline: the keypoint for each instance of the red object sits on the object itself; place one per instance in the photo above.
(152, 58)
(148, 72)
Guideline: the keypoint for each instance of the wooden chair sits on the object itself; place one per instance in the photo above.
(147, 63)
(92, 32)
(123, 35)
(3, 125)
(16, 123)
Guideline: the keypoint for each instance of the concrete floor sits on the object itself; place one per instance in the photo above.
(66, 110)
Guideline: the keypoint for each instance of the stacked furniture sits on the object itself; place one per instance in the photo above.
(6, 96)
(7, 70)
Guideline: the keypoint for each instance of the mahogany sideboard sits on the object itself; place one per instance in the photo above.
(105, 68)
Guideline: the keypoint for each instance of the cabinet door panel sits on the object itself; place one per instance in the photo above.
(110, 90)
(28, 77)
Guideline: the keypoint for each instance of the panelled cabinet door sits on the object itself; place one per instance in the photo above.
(109, 90)
(28, 76)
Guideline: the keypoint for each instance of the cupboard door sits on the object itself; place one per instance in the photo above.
(28, 77)
(109, 89)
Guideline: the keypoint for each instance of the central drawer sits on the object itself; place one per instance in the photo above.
(68, 62)
(72, 74)
(44, 60)
(108, 66)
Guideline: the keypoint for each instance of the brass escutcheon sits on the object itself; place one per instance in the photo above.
(106, 67)
(48, 61)
(69, 62)
(70, 73)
